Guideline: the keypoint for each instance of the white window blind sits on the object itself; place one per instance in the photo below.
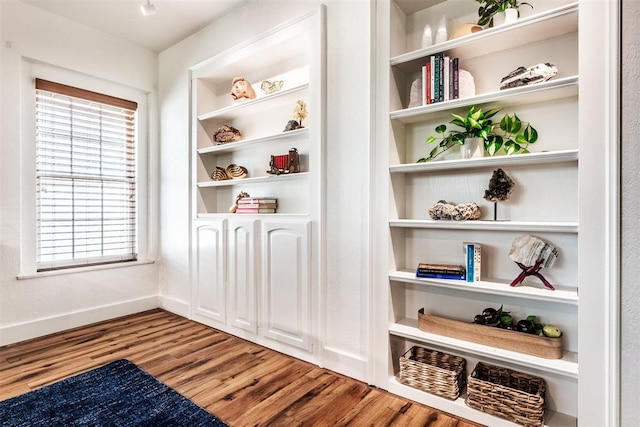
(85, 177)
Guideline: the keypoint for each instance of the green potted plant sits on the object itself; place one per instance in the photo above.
(492, 8)
(510, 134)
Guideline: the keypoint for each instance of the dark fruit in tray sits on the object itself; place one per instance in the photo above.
(526, 326)
(479, 319)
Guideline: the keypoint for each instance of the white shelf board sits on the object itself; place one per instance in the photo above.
(560, 296)
(251, 106)
(460, 408)
(541, 26)
(567, 366)
(228, 215)
(546, 157)
(537, 92)
(251, 180)
(533, 226)
(247, 143)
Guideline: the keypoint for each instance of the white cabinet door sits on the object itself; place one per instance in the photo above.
(286, 282)
(241, 288)
(210, 271)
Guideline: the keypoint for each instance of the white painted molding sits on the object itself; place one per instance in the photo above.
(23, 331)
(175, 306)
(345, 363)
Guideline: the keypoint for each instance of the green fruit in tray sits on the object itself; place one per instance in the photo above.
(551, 331)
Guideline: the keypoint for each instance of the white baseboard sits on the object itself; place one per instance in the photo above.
(37, 328)
(345, 363)
(175, 306)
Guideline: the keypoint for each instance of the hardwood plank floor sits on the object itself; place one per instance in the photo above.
(242, 383)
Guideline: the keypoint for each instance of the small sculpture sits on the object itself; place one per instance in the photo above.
(270, 87)
(225, 134)
(522, 76)
(500, 189)
(285, 163)
(241, 195)
(462, 212)
(241, 89)
(219, 174)
(236, 172)
(466, 83)
(532, 254)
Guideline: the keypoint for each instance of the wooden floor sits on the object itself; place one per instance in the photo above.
(241, 383)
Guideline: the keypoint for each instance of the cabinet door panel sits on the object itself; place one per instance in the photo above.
(210, 270)
(287, 283)
(242, 275)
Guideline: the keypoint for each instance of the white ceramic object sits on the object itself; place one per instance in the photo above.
(427, 36)
(441, 32)
(472, 148)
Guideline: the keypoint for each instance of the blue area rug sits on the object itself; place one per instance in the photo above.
(117, 394)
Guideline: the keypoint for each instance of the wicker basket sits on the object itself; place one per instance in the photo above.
(433, 371)
(508, 394)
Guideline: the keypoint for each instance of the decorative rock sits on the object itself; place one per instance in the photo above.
(226, 133)
(291, 125)
(270, 87)
(461, 212)
(415, 96)
(528, 250)
(500, 187)
(522, 76)
(467, 86)
(241, 89)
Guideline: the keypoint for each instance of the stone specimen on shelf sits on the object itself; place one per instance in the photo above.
(415, 96)
(500, 187)
(461, 212)
(241, 89)
(291, 125)
(226, 133)
(270, 87)
(531, 254)
(466, 84)
(523, 76)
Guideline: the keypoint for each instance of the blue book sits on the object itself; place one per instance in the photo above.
(441, 276)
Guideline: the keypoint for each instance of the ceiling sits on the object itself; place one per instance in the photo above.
(174, 19)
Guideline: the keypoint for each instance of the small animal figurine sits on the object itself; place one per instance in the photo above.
(241, 89)
(240, 195)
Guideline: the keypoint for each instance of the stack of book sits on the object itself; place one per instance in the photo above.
(473, 259)
(257, 205)
(441, 271)
(440, 79)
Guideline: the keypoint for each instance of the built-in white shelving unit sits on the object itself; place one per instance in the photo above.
(257, 276)
(548, 201)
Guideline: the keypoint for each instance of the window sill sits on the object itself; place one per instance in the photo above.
(84, 269)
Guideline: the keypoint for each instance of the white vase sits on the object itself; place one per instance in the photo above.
(472, 148)
(427, 36)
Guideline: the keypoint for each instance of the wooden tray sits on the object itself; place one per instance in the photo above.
(548, 348)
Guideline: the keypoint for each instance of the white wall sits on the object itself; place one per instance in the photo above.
(345, 329)
(630, 293)
(37, 306)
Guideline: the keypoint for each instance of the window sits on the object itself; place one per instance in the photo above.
(85, 177)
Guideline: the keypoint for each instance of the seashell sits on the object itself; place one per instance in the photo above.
(236, 172)
(270, 87)
(219, 174)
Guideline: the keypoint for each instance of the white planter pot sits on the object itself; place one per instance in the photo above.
(507, 17)
(472, 148)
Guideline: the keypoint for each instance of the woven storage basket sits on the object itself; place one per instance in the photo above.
(433, 371)
(505, 393)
